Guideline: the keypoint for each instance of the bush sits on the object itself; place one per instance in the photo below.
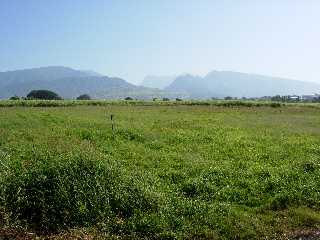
(15, 98)
(84, 97)
(128, 99)
(165, 99)
(44, 95)
(51, 194)
(275, 104)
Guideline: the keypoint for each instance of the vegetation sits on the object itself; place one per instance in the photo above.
(186, 170)
(43, 94)
(165, 102)
(14, 98)
(84, 97)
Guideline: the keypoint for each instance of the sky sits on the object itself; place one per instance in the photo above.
(134, 38)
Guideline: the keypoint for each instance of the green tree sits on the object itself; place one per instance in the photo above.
(15, 98)
(84, 97)
(43, 94)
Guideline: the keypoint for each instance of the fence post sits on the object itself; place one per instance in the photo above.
(112, 125)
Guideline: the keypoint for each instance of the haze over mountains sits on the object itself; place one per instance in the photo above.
(225, 83)
(160, 82)
(221, 84)
(70, 83)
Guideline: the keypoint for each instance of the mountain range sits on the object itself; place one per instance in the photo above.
(70, 83)
(235, 84)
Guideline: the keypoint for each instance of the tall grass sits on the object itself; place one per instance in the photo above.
(49, 193)
(171, 172)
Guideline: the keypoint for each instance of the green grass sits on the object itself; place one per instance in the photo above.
(72, 103)
(170, 171)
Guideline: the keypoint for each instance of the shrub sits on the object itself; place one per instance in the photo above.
(84, 97)
(43, 94)
(275, 104)
(128, 99)
(78, 191)
(15, 98)
(165, 99)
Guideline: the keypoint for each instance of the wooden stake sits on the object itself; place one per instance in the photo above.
(112, 125)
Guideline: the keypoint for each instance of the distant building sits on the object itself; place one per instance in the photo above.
(293, 98)
(310, 97)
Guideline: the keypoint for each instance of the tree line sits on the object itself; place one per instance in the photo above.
(47, 95)
(50, 95)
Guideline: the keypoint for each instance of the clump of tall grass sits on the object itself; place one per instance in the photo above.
(48, 194)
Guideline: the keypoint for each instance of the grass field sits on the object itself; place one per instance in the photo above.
(73, 103)
(166, 172)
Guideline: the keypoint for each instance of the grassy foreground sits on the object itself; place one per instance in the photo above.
(166, 172)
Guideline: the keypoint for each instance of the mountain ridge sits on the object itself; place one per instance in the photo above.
(236, 84)
(70, 83)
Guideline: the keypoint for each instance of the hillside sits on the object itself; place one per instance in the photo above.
(225, 83)
(70, 83)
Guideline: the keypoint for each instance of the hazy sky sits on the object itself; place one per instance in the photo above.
(131, 39)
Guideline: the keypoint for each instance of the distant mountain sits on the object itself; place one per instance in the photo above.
(159, 82)
(235, 84)
(70, 83)
(20, 82)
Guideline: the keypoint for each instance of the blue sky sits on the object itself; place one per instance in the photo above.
(134, 38)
